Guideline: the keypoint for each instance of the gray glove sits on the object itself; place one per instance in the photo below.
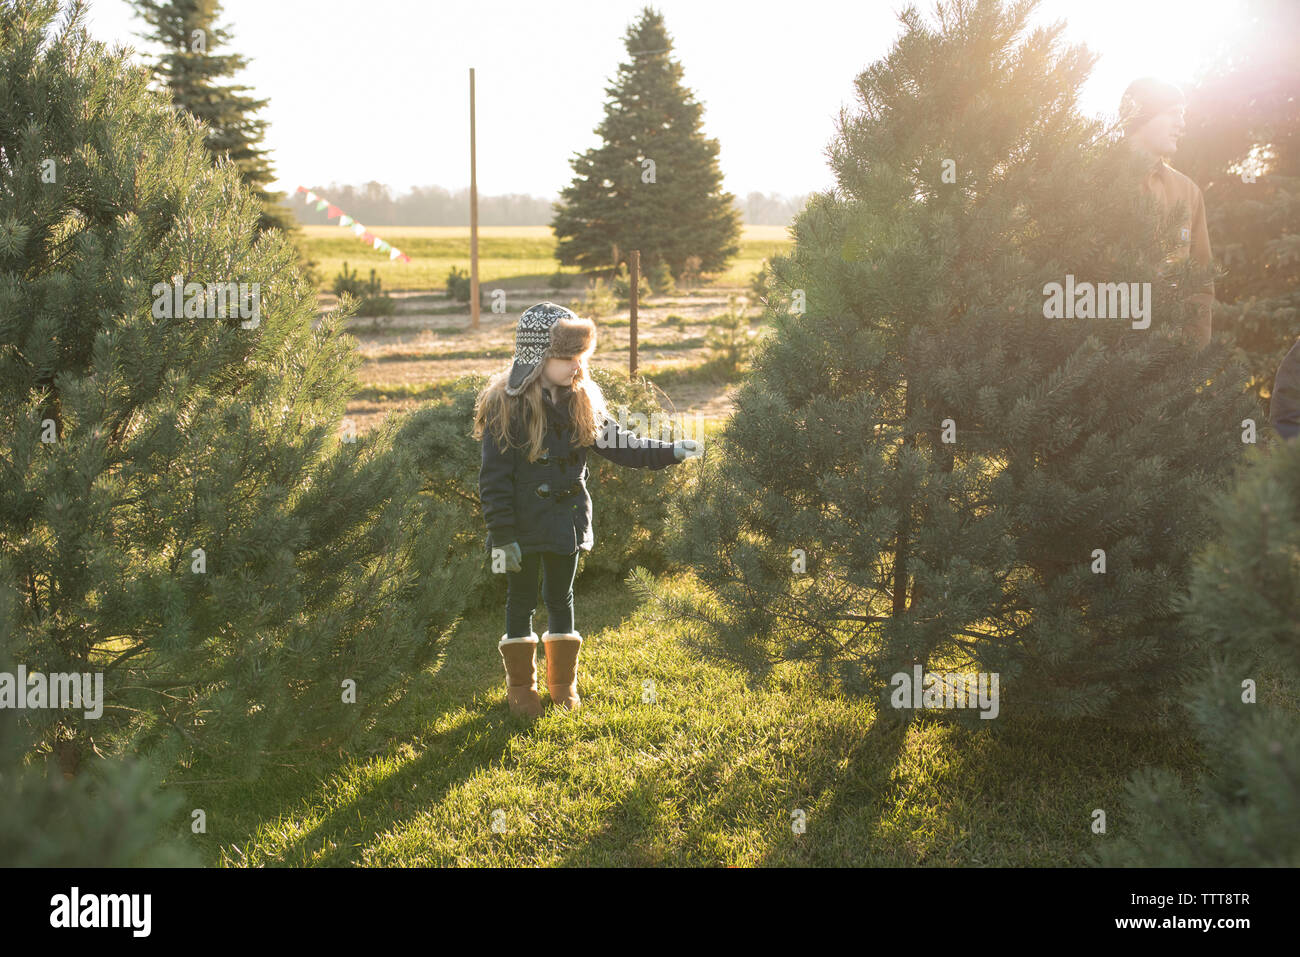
(684, 449)
(513, 557)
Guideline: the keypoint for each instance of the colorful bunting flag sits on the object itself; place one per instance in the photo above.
(358, 230)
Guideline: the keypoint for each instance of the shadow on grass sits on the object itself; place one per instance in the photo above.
(912, 789)
(469, 678)
(734, 757)
(921, 792)
(638, 823)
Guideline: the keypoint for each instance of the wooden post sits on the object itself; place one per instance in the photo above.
(473, 213)
(635, 271)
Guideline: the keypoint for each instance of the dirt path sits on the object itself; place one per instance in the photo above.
(420, 343)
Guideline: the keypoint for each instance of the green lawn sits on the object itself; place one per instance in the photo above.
(505, 253)
(709, 774)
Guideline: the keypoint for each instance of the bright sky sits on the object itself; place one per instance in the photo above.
(379, 90)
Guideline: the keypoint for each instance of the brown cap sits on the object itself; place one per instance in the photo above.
(1144, 99)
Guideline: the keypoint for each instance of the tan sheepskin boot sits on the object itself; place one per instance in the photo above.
(562, 667)
(518, 655)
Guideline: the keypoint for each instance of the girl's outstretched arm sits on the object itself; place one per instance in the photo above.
(630, 450)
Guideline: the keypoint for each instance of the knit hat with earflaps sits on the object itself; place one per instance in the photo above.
(546, 331)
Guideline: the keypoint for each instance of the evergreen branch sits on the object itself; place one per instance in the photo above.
(462, 494)
(139, 649)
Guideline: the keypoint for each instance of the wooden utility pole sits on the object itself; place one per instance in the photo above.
(473, 213)
(635, 269)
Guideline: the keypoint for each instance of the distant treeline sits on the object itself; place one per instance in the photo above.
(375, 205)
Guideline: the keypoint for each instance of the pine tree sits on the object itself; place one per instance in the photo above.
(1243, 615)
(1243, 147)
(182, 506)
(926, 469)
(654, 183)
(192, 73)
(116, 817)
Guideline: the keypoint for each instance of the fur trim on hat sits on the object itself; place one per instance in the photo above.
(572, 337)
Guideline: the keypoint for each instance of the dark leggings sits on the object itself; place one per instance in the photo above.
(557, 591)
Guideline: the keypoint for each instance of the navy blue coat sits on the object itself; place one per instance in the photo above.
(508, 483)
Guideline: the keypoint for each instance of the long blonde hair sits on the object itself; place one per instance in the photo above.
(520, 420)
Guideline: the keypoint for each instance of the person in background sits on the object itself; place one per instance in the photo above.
(1151, 114)
(1284, 406)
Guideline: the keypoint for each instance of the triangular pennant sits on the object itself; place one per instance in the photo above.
(346, 220)
(321, 204)
(301, 189)
(333, 211)
(368, 236)
(394, 253)
(404, 258)
(357, 229)
(311, 197)
(383, 245)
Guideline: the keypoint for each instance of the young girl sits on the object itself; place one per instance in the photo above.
(536, 421)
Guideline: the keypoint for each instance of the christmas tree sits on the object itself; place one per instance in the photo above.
(978, 439)
(183, 508)
(654, 183)
(1243, 612)
(192, 73)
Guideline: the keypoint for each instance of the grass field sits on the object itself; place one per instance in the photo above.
(709, 774)
(505, 252)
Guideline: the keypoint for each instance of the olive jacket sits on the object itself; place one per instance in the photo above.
(544, 505)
